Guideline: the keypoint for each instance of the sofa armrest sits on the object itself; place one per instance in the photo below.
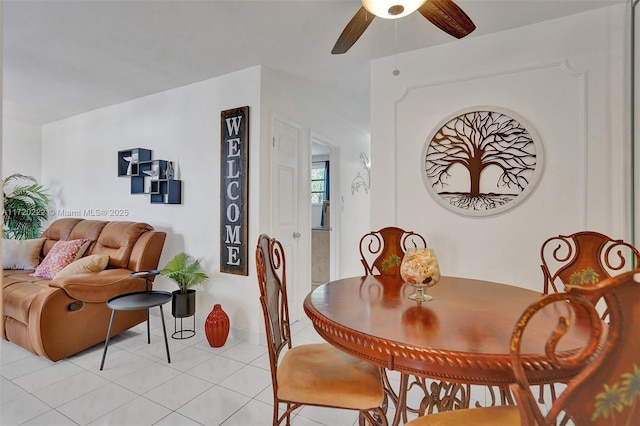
(146, 252)
(96, 287)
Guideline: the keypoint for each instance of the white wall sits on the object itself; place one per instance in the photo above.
(21, 148)
(567, 78)
(323, 112)
(181, 125)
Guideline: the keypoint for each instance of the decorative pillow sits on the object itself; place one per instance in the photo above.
(21, 254)
(61, 254)
(92, 263)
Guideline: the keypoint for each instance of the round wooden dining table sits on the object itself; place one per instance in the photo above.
(462, 336)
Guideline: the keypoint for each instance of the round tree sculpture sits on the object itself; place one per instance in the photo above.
(482, 161)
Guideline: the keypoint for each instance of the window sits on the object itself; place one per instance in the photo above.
(319, 181)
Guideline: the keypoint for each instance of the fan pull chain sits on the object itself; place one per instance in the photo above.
(396, 71)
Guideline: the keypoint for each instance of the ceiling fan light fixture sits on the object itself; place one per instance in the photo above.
(392, 9)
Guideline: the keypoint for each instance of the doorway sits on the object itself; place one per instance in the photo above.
(291, 205)
(324, 198)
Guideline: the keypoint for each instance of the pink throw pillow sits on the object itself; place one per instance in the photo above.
(61, 254)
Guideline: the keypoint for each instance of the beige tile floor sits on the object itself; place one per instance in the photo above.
(201, 386)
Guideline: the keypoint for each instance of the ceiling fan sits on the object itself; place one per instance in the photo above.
(444, 14)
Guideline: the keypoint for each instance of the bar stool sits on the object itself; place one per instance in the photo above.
(139, 300)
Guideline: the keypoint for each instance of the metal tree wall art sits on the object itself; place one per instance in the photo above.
(482, 161)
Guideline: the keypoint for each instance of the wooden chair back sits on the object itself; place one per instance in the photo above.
(381, 251)
(607, 390)
(272, 281)
(314, 374)
(584, 258)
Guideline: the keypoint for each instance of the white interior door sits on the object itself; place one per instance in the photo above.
(284, 214)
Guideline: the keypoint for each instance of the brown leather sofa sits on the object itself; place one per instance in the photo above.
(56, 318)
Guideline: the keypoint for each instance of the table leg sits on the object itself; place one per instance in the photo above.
(401, 406)
(438, 396)
(164, 331)
(148, 329)
(504, 395)
(106, 342)
(398, 399)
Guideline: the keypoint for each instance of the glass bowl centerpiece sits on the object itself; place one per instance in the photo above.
(420, 269)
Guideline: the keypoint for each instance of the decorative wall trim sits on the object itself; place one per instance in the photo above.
(562, 66)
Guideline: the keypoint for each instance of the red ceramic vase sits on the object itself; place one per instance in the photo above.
(216, 327)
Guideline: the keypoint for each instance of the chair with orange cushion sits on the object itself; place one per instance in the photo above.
(310, 374)
(382, 251)
(606, 391)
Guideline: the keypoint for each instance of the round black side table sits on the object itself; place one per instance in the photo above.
(139, 300)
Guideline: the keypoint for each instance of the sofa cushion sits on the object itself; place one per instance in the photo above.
(61, 254)
(90, 229)
(91, 263)
(117, 240)
(21, 254)
(57, 231)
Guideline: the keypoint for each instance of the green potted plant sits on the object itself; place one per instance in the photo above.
(187, 272)
(25, 207)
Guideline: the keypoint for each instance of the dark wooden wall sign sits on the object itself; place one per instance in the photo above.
(234, 190)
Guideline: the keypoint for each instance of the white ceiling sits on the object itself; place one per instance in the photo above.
(62, 58)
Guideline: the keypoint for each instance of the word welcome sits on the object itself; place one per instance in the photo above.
(234, 162)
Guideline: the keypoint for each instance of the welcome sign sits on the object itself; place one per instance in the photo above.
(234, 190)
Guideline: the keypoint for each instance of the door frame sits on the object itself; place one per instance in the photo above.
(336, 199)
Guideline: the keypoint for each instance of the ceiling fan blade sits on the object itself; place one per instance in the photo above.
(353, 31)
(447, 16)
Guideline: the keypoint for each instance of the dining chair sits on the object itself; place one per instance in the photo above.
(606, 389)
(382, 251)
(584, 258)
(310, 374)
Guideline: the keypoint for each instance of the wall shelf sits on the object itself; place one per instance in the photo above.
(166, 191)
(149, 176)
(129, 160)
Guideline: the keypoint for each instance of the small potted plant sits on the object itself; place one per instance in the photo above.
(187, 272)
(25, 207)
